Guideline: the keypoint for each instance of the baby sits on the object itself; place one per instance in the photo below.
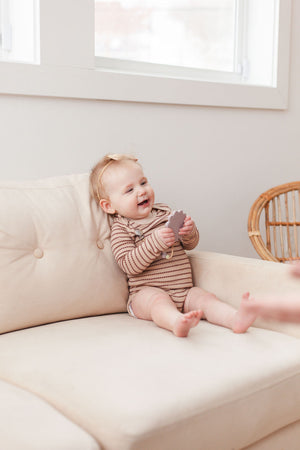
(157, 267)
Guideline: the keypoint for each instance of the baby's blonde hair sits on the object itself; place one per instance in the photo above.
(96, 186)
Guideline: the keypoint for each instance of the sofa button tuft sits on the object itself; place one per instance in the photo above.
(100, 244)
(38, 253)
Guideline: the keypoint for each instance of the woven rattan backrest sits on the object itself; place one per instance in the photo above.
(274, 223)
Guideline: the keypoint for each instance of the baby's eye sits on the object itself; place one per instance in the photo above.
(143, 182)
(129, 190)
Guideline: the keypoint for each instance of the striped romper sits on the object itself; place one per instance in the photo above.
(142, 256)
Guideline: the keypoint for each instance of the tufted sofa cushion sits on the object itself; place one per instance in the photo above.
(55, 256)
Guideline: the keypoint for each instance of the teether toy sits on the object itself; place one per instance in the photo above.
(176, 221)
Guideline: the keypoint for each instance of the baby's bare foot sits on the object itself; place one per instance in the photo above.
(245, 316)
(185, 322)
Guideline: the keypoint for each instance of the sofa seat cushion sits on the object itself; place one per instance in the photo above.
(29, 423)
(133, 385)
(54, 244)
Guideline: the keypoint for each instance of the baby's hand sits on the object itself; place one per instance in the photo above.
(187, 226)
(166, 235)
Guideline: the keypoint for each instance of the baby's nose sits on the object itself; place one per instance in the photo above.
(142, 190)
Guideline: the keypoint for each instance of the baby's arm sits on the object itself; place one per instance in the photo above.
(134, 260)
(189, 234)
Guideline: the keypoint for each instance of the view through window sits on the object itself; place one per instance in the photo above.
(189, 33)
(19, 31)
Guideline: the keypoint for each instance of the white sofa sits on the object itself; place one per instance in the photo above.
(76, 372)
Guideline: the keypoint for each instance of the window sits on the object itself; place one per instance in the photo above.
(19, 31)
(242, 64)
(229, 40)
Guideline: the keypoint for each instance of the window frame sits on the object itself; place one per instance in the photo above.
(67, 68)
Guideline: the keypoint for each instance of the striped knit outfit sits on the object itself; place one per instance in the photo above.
(142, 256)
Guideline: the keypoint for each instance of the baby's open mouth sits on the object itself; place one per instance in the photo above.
(143, 203)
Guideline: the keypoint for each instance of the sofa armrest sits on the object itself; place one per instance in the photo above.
(228, 277)
(29, 422)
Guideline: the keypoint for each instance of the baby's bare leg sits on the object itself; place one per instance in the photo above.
(220, 313)
(156, 305)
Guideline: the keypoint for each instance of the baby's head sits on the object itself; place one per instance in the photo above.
(119, 185)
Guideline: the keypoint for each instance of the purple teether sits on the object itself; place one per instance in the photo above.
(175, 222)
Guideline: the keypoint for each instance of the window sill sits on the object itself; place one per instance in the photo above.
(103, 84)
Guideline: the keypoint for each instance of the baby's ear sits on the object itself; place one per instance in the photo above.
(106, 206)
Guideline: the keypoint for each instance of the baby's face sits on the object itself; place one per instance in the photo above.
(128, 190)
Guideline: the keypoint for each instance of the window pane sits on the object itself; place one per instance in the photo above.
(18, 30)
(190, 33)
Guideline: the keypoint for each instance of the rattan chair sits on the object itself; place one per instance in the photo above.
(275, 234)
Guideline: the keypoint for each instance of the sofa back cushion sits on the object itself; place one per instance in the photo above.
(55, 256)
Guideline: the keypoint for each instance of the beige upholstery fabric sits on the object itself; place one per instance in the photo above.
(55, 257)
(126, 382)
(29, 423)
(133, 385)
(285, 438)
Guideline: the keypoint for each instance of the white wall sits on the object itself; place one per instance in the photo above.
(211, 162)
